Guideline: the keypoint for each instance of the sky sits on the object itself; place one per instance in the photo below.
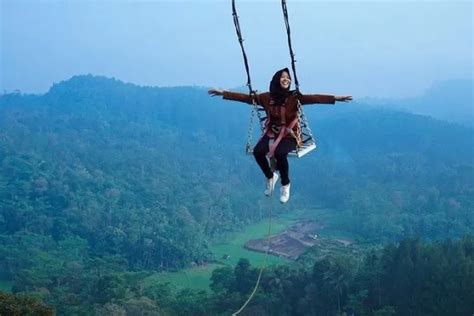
(361, 48)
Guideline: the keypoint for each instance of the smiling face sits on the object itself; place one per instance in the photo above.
(285, 80)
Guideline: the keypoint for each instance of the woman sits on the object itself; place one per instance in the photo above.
(281, 107)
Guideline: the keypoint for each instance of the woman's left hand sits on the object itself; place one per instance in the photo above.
(346, 98)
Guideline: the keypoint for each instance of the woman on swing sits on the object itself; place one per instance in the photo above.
(281, 106)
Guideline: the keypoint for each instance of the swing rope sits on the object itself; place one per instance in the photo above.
(255, 107)
(301, 119)
(249, 149)
(249, 138)
(292, 54)
(241, 42)
(257, 283)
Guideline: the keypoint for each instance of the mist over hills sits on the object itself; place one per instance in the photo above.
(450, 100)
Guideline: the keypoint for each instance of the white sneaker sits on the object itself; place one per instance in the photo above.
(271, 184)
(285, 193)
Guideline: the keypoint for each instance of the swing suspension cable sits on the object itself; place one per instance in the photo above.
(303, 128)
(255, 108)
(288, 32)
(258, 111)
(301, 117)
(241, 42)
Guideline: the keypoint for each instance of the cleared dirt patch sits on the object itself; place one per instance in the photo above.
(292, 242)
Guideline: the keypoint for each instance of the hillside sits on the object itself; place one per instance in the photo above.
(100, 175)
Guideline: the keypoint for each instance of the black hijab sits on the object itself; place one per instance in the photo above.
(277, 93)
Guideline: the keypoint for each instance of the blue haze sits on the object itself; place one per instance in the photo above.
(364, 48)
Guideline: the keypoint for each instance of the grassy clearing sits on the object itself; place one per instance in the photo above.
(199, 277)
(234, 245)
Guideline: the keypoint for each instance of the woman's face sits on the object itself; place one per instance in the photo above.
(285, 80)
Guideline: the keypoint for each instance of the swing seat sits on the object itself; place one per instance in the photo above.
(300, 152)
(303, 150)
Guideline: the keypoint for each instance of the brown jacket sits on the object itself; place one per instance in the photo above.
(274, 112)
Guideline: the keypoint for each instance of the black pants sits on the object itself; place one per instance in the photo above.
(281, 156)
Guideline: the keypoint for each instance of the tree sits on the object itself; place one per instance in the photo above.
(22, 305)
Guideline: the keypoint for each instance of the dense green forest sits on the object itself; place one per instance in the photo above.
(411, 278)
(103, 183)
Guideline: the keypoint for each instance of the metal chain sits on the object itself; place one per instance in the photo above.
(299, 140)
(248, 145)
(304, 122)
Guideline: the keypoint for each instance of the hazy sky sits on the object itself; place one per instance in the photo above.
(364, 48)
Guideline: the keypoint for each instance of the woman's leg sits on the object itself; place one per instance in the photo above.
(281, 155)
(259, 152)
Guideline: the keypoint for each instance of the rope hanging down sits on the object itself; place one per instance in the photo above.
(255, 109)
(264, 259)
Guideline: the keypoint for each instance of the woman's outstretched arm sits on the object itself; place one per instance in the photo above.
(234, 96)
(323, 99)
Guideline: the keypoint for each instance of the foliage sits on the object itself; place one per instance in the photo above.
(16, 305)
(103, 183)
(411, 278)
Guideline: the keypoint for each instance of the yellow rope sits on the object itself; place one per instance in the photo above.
(264, 259)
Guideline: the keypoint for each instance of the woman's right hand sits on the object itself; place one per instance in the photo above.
(215, 92)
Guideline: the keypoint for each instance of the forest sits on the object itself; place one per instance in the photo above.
(103, 183)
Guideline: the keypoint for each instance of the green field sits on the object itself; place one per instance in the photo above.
(233, 246)
(197, 278)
